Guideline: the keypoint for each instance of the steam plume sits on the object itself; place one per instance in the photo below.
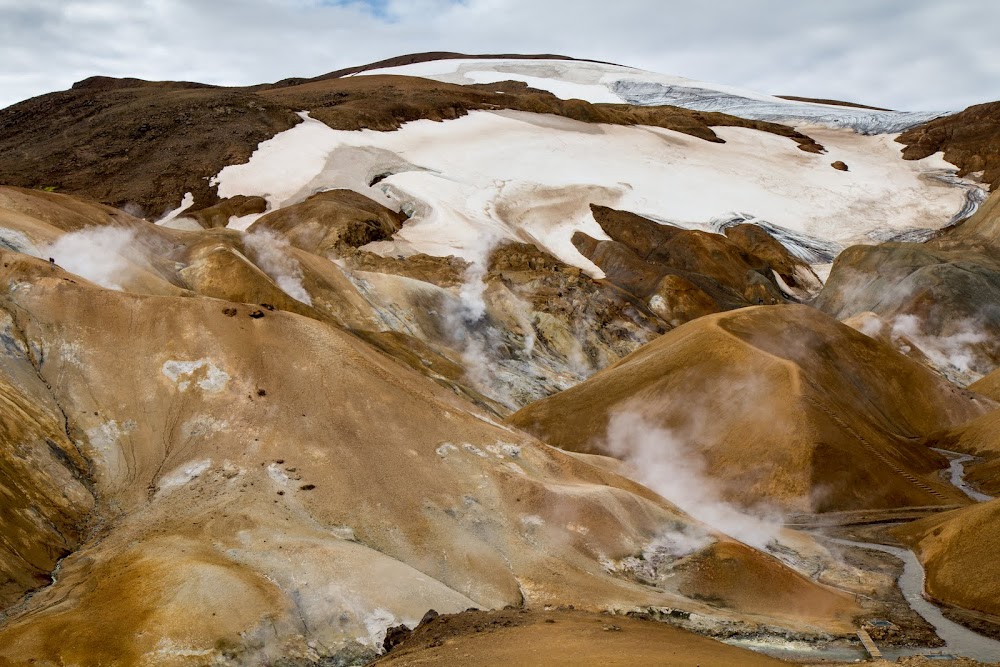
(661, 460)
(272, 255)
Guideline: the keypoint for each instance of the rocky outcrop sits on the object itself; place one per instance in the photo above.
(969, 139)
(332, 223)
(682, 274)
(571, 313)
(218, 215)
(755, 241)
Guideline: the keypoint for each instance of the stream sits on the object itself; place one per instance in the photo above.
(957, 474)
(959, 640)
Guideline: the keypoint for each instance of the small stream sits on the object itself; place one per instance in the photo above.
(959, 640)
(957, 474)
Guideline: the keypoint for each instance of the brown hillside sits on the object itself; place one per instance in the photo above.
(780, 402)
(988, 386)
(562, 638)
(233, 487)
(683, 274)
(958, 550)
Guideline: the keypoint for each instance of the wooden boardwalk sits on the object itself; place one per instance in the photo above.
(869, 644)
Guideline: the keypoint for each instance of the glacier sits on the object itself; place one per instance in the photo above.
(602, 83)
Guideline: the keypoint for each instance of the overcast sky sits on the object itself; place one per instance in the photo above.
(902, 54)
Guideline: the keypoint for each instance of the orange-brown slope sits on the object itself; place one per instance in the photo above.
(45, 485)
(988, 385)
(561, 637)
(784, 404)
(959, 553)
(272, 470)
(332, 222)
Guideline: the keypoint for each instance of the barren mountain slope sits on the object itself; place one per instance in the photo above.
(481, 333)
(784, 404)
(988, 385)
(267, 477)
(220, 432)
(530, 316)
(682, 274)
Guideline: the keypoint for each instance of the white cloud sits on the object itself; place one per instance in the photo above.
(906, 54)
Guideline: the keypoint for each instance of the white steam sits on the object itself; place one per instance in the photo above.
(662, 461)
(272, 255)
(677, 543)
(99, 254)
(955, 355)
(466, 317)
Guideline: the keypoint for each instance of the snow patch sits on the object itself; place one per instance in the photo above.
(281, 165)
(186, 203)
(536, 184)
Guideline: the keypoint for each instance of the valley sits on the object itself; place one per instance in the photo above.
(468, 360)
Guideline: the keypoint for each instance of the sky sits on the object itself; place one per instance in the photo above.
(901, 54)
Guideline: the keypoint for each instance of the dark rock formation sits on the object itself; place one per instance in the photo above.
(969, 139)
(682, 274)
